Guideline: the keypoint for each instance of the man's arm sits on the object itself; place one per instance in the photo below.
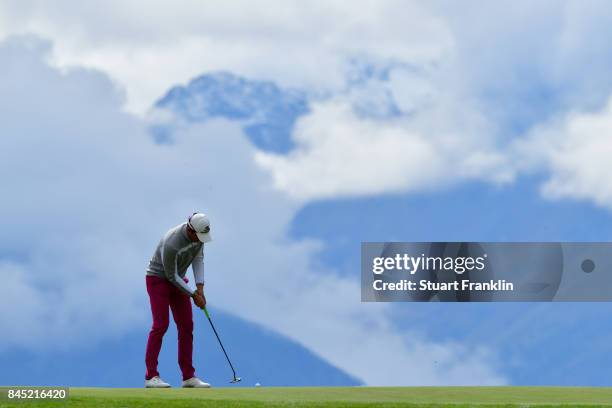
(198, 272)
(198, 268)
(169, 260)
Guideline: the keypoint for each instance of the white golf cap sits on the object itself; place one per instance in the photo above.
(201, 225)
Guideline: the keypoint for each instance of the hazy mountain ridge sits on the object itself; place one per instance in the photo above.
(267, 112)
(258, 354)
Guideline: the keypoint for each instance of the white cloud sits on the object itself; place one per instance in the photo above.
(465, 77)
(150, 46)
(575, 150)
(460, 75)
(340, 153)
(87, 195)
(503, 72)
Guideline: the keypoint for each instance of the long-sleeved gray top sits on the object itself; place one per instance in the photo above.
(173, 255)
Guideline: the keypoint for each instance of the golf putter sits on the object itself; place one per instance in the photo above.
(235, 379)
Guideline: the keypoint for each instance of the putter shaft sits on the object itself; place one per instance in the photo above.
(236, 379)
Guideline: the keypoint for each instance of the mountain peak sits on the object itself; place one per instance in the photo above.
(267, 111)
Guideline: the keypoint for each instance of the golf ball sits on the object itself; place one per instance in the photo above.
(257, 384)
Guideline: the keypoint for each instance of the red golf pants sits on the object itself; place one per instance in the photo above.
(164, 295)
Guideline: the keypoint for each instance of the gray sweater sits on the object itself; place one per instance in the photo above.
(173, 255)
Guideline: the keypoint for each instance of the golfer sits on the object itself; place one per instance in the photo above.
(167, 286)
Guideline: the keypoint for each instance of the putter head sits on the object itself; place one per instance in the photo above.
(236, 380)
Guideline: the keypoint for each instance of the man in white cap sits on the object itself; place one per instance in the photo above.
(167, 287)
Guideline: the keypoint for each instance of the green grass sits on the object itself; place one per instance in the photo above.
(333, 397)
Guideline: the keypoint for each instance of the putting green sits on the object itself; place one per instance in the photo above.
(333, 397)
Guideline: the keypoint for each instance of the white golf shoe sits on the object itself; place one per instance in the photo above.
(156, 382)
(195, 382)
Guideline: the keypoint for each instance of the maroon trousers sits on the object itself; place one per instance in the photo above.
(164, 296)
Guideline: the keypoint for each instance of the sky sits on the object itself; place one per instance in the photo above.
(407, 102)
